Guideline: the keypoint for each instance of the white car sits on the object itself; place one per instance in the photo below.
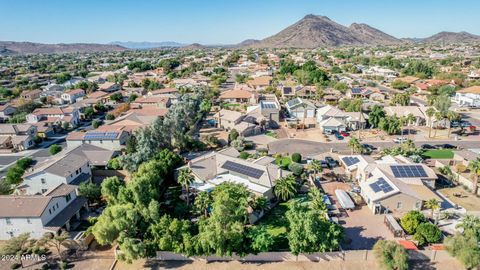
(400, 140)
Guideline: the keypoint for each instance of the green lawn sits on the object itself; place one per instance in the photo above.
(438, 154)
(271, 134)
(276, 224)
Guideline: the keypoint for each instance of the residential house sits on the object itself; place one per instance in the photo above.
(258, 176)
(260, 83)
(302, 111)
(55, 116)
(6, 111)
(31, 95)
(300, 91)
(155, 101)
(244, 124)
(266, 110)
(39, 214)
(72, 95)
(469, 96)
(403, 111)
(98, 97)
(394, 184)
(359, 92)
(109, 87)
(331, 119)
(239, 96)
(107, 137)
(17, 137)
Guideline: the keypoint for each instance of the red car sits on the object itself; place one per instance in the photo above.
(343, 133)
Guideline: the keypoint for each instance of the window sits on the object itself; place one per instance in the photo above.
(76, 172)
(9, 221)
(399, 205)
(29, 221)
(57, 204)
(68, 197)
(80, 170)
(43, 180)
(50, 211)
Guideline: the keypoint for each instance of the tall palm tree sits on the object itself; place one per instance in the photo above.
(285, 187)
(439, 116)
(430, 113)
(355, 145)
(316, 166)
(474, 167)
(410, 119)
(451, 116)
(185, 179)
(202, 202)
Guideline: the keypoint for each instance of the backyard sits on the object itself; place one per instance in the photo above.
(276, 223)
(461, 197)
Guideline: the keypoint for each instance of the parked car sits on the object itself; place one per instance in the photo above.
(328, 132)
(369, 147)
(465, 124)
(338, 136)
(343, 133)
(446, 146)
(331, 162)
(400, 140)
(323, 163)
(428, 146)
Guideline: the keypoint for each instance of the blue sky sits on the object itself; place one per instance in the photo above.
(220, 21)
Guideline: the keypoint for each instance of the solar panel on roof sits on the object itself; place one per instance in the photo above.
(349, 161)
(375, 187)
(356, 90)
(101, 135)
(242, 169)
(408, 171)
(381, 185)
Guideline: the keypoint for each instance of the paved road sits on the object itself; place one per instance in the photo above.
(311, 148)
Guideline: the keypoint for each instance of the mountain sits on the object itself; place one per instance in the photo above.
(248, 42)
(315, 31)
(148, 44)
(13, 47)
(451, 37)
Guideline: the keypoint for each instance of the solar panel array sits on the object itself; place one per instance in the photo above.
(408, 171)
(100, 135)
(268, 105)
(242, 169)
(356, 90)
(349, 161)
(381, 185)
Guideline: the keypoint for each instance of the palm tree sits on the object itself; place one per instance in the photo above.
(202, 202)
(433, 205)
(316, 201)
(438, 115)
(259, 203)
(451, 116)
(474, 167)
(470, 222)
(430, 113)
(285, 187)
(316, 166)
(375, 115)
(410, 119)
(185, 179)
(355, 145)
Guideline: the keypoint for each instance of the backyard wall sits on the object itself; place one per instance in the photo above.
(350, 255)
(463, 180)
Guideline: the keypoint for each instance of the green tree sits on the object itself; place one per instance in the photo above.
(470, 223)
(202, 202)
(132, 249)
(285, 187)
(427, 233)
(430, 113)
(316, 201)
(171, 234)
(185, 179)
(110, 188)
(355, 145)
(474, 167)
(411, 221)
(233, 135)
(260, 240)
(90, 191)
(223, 232)
(59, 241)
(452, 116)
(96, 123)
(391, 255)
(309, 231)
(114, 164)
(54, 149)
(433, 205)
(399, 84)
(464, 246)
(375, 115)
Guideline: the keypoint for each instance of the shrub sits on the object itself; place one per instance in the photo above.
(54, 149)
(296, 157)
(110, 117)
(411, 221)
(244, 155)
(96, 123)
(295, 168)
(114, 164)
(24, 163)
(391, 255)
(427, 233)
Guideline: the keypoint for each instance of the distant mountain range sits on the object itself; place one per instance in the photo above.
(312, 31)
(13, 47)
(148, 45)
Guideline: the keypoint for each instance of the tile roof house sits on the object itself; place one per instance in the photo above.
(244, 124)
(17, 136)
(55, 116)
(239, 96)
(31, 95)
(72, 95)
(157, 101)
(67, 167)
(392, 184)
(106, 137)
(401, 111)
(260, 82)
(258, 176)
(6, 111)
(109, 87)
(301, 110)
(39, 214)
